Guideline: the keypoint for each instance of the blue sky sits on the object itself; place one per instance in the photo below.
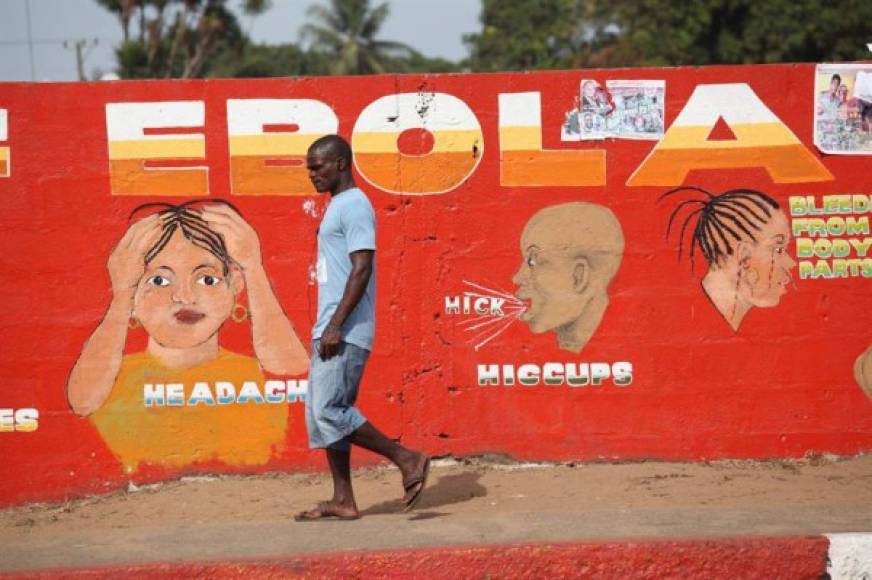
(434, 27)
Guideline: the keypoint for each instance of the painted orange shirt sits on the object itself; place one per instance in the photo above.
(237, 434)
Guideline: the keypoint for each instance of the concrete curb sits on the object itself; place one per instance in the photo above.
(835, 556)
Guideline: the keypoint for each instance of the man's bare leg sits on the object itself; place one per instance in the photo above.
(343, 504)
(343, 493)
(411, 463)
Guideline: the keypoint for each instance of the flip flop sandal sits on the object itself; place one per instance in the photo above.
(322, 512)
(420, 478)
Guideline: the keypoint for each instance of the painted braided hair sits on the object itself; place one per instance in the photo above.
(186, 217)
(735, 214)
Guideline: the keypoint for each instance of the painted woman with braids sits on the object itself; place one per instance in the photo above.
(178, 273)
(743, 235)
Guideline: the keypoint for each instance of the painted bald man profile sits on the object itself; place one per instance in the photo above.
(570, 254)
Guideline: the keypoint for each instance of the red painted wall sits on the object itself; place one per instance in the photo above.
(781, 386)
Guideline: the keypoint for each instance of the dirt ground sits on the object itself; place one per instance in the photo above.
(467, 502)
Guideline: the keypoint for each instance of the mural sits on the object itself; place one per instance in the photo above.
(843, 109)
(159, 238)
(19, 420)
(570, 253)
(417, 143)
(523, 161)
(832, 236)
(755, 138)
(863, 371)
(268, 140)
(178, 273)
(744, 236)
(5, 158)
(157, 148)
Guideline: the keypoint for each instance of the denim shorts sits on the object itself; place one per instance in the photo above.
(333, 385)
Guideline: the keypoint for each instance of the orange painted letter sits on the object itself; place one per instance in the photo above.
(157, 148)
(523, 162)
(268, 143)
(417, 144)
(761, 140)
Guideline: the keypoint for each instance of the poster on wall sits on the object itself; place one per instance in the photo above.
(623, 109)
(843, 109)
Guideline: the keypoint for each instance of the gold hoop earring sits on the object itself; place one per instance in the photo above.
(752, 276)
(133, 323)
(239, 313)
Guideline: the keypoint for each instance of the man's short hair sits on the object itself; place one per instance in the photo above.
(333, 144)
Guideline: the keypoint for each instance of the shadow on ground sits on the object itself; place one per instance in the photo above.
(449, 489)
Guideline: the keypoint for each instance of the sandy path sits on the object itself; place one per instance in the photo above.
(467, 502)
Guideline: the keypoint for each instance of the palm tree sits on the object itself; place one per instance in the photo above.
(345, 32)
(123, 9)
(177, 38)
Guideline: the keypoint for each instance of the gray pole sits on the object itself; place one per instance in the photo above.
(80, 46)
(30, 40)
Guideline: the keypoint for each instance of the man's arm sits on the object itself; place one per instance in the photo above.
(361, 270)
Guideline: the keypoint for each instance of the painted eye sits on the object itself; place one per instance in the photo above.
(208, 280)
(531, 262)
(780, 250)
(159, 281)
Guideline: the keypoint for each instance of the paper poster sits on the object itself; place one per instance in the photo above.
(623, 109)
(843, 109)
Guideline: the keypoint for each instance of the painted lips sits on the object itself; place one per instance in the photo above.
(528, 303)
(189, 316)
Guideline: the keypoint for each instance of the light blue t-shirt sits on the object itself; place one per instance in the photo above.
(348, 226)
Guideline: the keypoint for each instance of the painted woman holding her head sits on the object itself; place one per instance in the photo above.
(179, 273)
(743, 235)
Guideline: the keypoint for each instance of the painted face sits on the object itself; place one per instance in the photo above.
(184, 297)
(324, 170)
(546, 282)
(588, 89)
(771, 262)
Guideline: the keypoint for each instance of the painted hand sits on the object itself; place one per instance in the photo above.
(242, 242)
(126, 263)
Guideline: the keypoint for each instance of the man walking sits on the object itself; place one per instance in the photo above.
(343, 335)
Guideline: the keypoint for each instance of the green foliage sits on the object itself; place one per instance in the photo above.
(536, 34)
(418, 63)
(177, 38)
(345, 33)
(698, 32)
(522, 35)
(199, 38)
(203, 38)
(264, 60)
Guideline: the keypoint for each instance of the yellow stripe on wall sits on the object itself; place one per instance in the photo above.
(274, 144)
(158, 149)
(520, 138)
(747, 135)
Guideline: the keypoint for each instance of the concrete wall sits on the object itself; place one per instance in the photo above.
(529, 300)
